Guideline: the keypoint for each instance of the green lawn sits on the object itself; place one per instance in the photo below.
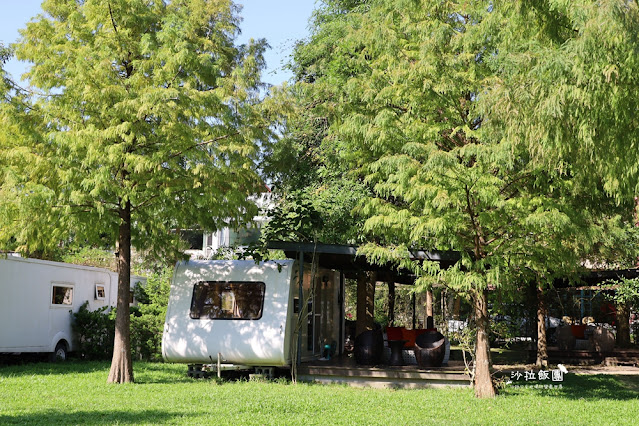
(76, 392)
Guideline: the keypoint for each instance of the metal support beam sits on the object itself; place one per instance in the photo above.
(300, 308)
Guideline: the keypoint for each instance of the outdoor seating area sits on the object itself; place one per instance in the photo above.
(406, 334)
(585, 337)
(394, 337)
(399, 346)
(589, 344)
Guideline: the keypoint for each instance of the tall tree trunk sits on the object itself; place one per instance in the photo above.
(365, 302)
(542, 344)
(121, 364)
(623, 325)
(391, 304)
(484, 387)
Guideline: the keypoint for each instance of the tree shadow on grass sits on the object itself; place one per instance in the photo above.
(593, 387)
(143, 372)
(92, 417)
(56, 368)
(599, 386)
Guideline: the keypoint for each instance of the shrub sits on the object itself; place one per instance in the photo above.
(147, 320)
(95, 331)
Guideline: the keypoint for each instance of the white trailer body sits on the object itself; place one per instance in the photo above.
(39, 298)
(247, 313)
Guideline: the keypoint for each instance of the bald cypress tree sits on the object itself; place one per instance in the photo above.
(143, 119)
(405, 87)
(566, 87)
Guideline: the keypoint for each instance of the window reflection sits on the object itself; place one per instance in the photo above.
(62, 295)
(227, 300)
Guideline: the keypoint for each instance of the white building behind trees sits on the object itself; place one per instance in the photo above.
(205, 244)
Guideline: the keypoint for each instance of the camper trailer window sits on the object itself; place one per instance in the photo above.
(62, 295)
(227, 300)
(100, 294)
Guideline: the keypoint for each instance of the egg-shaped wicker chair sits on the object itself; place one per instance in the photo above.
(430, 348)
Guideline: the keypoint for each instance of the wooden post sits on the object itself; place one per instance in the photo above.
(301, 306)
(443, 297)
(413, 301)
(429, 309)
(365, 302)
(391, 303)
(457, 308)
(429, 303)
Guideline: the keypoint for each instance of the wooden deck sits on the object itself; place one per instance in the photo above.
(591, 357)
(344, 370)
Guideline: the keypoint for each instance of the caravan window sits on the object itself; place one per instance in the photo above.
(227, 300)
(100, 293)
(62, 295)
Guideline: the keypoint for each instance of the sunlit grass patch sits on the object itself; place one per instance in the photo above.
(77, 392)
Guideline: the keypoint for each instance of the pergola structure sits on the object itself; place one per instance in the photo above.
(345, 259)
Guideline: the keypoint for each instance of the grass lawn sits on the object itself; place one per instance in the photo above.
(76, 392)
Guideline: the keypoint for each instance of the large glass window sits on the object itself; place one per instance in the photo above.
(62, 295)
(227, 300)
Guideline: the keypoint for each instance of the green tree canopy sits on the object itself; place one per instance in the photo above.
(317, 190)
(404, 86)
(144, 118)
(565, 84)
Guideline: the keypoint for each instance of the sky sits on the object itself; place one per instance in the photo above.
(280, 22)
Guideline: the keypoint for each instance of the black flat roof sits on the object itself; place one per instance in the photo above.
(345, 258)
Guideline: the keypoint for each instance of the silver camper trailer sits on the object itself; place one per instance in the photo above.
(39, 298)
(246, 315)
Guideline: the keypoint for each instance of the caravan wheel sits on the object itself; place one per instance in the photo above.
(60, 353)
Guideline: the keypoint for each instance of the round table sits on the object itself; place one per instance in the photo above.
(396, 347)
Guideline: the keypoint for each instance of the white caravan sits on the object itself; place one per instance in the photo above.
(245, 314)
(39, 298)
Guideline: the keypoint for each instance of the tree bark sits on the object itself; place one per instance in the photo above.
(365, 302)
(121, 363)
(542, 344)
(623, 325)
(484, 387)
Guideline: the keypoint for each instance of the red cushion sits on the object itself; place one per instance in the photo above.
(394, 333)
(409, 336)
(578, 331)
